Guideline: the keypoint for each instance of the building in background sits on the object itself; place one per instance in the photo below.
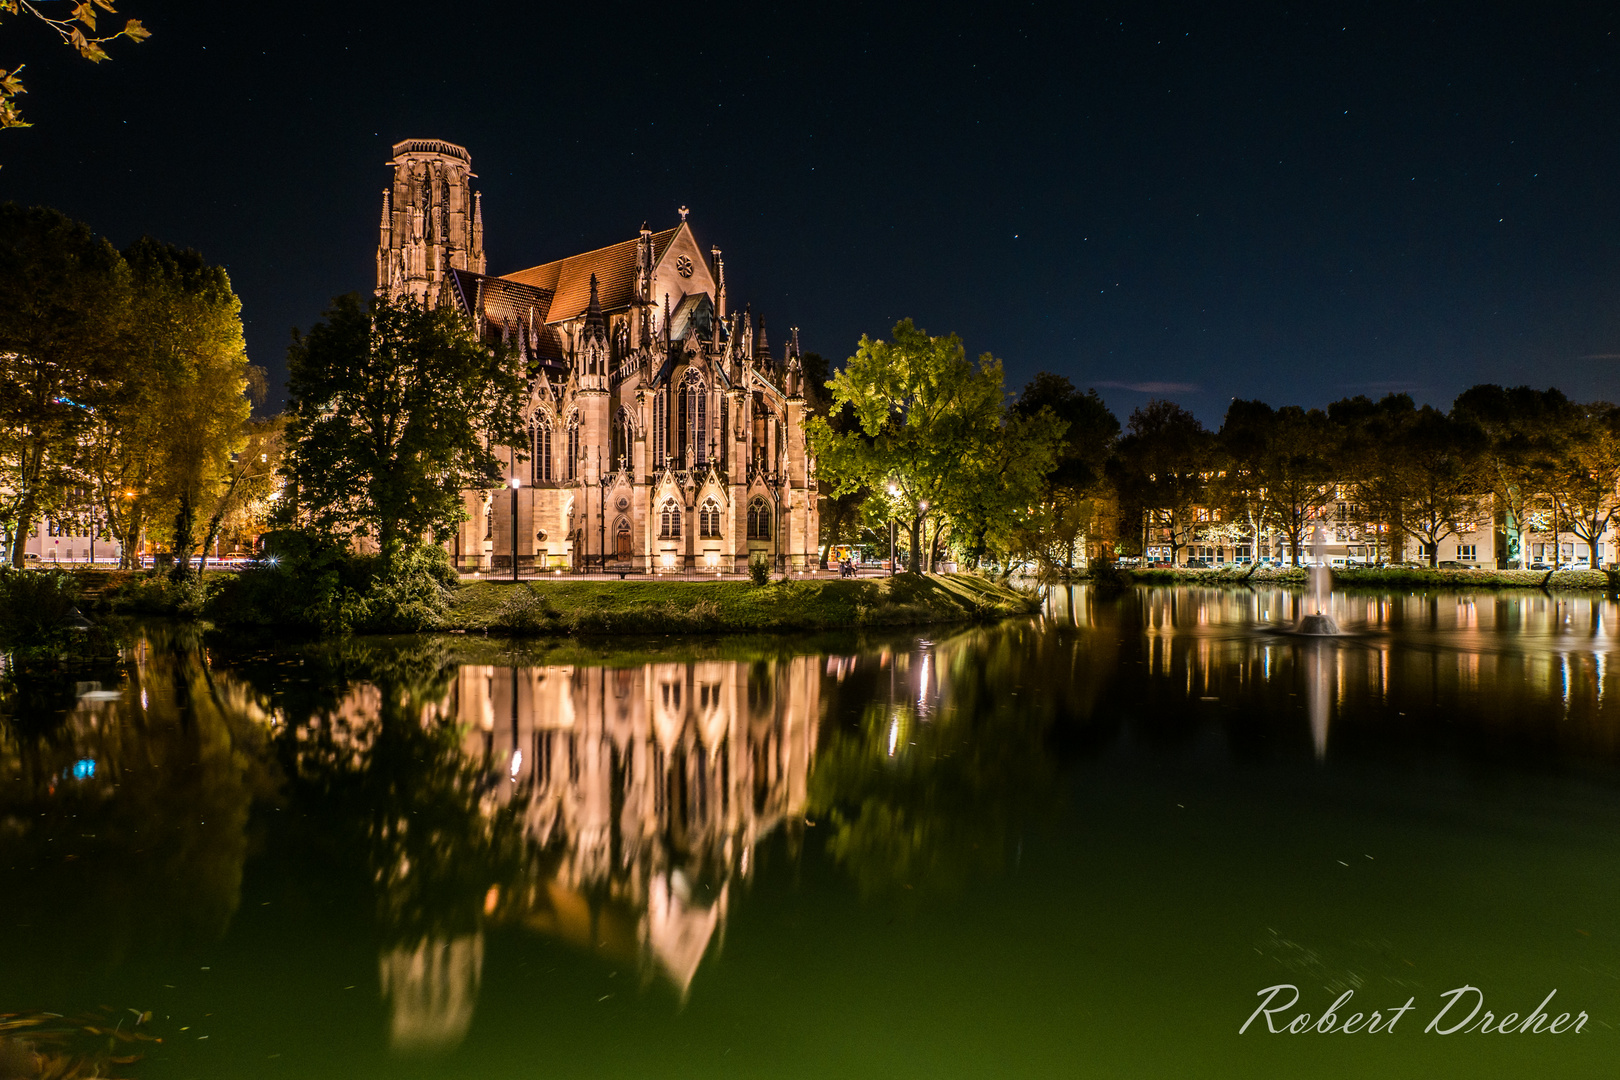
(663, 433)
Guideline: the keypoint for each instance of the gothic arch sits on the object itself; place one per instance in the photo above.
(692, 436)
(709, 519)
(540, 448)
(623, 435)
(760, 514)
(571, 470)
(669, 520)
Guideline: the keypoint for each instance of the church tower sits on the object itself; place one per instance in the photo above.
(432, 221)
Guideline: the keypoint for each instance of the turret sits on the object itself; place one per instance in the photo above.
(593, 345)
(431, 224)
(762, 352)
(719, 282)
(793, 382)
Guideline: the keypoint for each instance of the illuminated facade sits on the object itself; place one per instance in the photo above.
(662, 433)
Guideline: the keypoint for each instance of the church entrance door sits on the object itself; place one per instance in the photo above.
(621, 545)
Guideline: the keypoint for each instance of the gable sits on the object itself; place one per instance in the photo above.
(667, 277)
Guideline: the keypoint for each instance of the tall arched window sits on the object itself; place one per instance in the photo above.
(700, 433)
(623, 437)
(539, 450)
(759, 520)
(660, 429)
(709, 520)
(669, 521)
(573, 447)
(692, 441)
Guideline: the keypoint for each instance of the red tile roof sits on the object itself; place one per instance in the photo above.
(569, 280)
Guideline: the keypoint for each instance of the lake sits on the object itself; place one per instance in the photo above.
(1077, 845)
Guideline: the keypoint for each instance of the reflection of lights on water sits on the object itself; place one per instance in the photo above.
(894, 736)
(83, 769)
(517, 764)
(143, 699)
(922, 685)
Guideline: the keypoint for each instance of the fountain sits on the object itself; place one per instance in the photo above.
(1319, 623)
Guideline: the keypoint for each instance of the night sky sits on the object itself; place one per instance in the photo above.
(1296, 202)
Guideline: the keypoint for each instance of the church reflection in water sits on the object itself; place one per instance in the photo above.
(643, 792)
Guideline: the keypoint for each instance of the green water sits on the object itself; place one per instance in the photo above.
(1071, 846)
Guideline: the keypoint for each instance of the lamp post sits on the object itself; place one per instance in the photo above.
(894, 491)
(923, 535)
(516, 483)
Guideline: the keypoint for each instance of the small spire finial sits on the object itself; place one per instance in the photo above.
(683, 211)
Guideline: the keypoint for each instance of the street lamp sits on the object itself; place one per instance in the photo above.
(923, 506)
(516, 483)
(894, 492)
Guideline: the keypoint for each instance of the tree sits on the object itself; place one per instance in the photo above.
(393, 410)
(77, 29)
(249, 483)
(64, 296)
(1374, 464)
(1518, 429)
(1442, 494)
(1162, 468)
(186, 391)
(1586, 475)
(927, 417)
(1000, 496)
(1287, 453)
(1071, 507)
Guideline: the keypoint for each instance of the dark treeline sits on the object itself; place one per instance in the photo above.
(1061, 483)
(1517, 462)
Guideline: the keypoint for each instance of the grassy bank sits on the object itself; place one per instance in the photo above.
(1386, 578)
(681, 607)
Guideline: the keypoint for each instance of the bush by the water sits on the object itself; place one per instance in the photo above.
(319, 585)
(759, 571)
(35, 605)
(158, 593)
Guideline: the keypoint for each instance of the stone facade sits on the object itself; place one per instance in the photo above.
(663, 434)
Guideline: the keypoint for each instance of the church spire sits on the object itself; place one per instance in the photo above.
(595, 328)
(762, 349)
(719, 281)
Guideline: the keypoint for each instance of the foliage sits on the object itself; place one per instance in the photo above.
(1283, 458)
(315, 584)
(1519, 429)
(64, 296)
(78, 29)
(759, 570)
(933, 438)
(1076, 506)
(1161, 471)
(35, 605)
(1586, 473)
(157, 593)
(393, 410)
(166, 437)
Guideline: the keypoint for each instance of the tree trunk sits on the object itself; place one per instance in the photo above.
(912, 561)
(185, 541)
(32, 462)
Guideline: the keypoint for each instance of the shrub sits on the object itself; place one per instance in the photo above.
(759, 570)
(35, 604)
(525, 611)
(157, 593)
(318, 584)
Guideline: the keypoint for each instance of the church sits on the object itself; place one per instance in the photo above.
(663, 433)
